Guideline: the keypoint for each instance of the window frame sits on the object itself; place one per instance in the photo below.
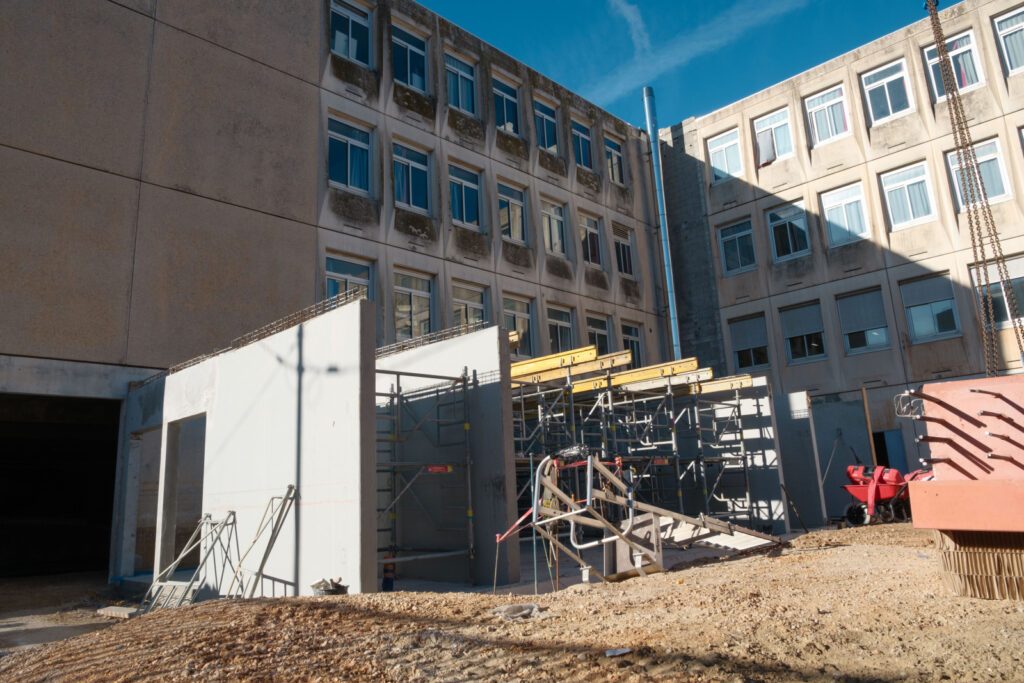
(789, 350)
(633, 343)
(593, 332)
(736, 350)
(953, 334)
(928, 63)
(978, 285)
(408, 64)
(928, 188)
(347, 279)
(568, 325)
(582, 134)
(506, 97)
(846, 335)
(905, 75)
(410, 164)
(721, 247)
(775, 143)
(711, 141)
(368, 146)
(951, 159)
(1001, 38)
(544, 116)
(771, 231)
(349, 11)
(467, 304)
(412, 293)
(590, 239)
(826, 206)
(624, 244)
(464, 185)
(516, 316)
(521, 203)
(815, 142)
(460, 76)
(615, 160)
(548, 219)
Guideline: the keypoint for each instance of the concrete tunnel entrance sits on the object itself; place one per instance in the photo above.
(57, 467)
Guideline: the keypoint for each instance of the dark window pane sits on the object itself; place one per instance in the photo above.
(879, 103)
(361, 40)
(455, 192)
(857, 340)
(417, 71)
(472, 206)
(339, 34)
(400, 62)
(512, 114)
(419, 188)
(466, 95)
(759, 355)
(797, 349)
(815, 344)
(945, 321)
(337, 153)
(898, 95)
(453, 89)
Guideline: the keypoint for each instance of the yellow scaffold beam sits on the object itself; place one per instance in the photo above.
(621, 359)
(650, 372)
(554, 361)
(721, 384)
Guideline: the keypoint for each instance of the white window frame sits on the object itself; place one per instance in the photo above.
(633, 342)
(775, 143)
(976, 59)
(904, 74)
(352, 12)
(480, 305)
(463, 184)
(413, 293)
(561, 324)
(827, 204)
(615, 162)
(624, 242)
(771, 231)
(513, 201)
(585, 134)
(902, 186)
(413, 48)
(721, 246)
(1001, 37)
(549, 220)
(715, 144)
(505, 99)
(348, 280)
(516, 317)
(815, 142)
(594, 331)
(953, 165)
(590, 227)
(350, 142)
(459, 77)
(544, 116)
(411, 164)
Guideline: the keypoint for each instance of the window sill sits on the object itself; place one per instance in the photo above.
(753, 368)
(724, 181)
(412, 209)
(792, 257)
(937, 338)
(467, 226)
(913, 223)
(991, 200)
(856, 240)
(349, 59)
(335, 185)
(784, 157)
(470, 114)
(834, 138)
(412, 88)
(593, 266)
(864, 352)
(513, 240)
(893, 117)
(739, 271)
(962, 91)
(807, 361)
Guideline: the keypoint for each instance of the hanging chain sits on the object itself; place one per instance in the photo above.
(974, 200)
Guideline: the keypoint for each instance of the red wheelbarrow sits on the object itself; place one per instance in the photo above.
(881, 494)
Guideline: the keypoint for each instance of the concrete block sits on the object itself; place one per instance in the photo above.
(119, 612)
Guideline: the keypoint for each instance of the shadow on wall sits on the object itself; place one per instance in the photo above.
(811, 287)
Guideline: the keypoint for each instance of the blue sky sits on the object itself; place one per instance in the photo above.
(698, 54)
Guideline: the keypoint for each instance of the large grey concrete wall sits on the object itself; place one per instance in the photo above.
(294, 408)
(485, 354)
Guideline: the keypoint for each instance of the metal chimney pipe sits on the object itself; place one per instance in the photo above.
(659, 192)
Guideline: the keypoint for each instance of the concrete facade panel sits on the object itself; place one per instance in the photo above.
(198, 259)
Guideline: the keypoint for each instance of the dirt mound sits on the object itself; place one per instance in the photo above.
(871, 610)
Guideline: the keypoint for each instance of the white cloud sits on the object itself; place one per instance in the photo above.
(727, 27)
(637, 30)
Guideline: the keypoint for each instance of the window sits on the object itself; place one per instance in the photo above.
(623, 249)
(632, 342)
(506, 107)
(410, 171)
(749, 342)
(826, 114)
(547, 128)
(613, 158)
(553, 217)
(412, 306)
(409, 59)
(788, 228)
(1010, 29)
(597, 334)
(886, 91)
(862, 319)
(907, 196)
(1000, 305)
(559, 329)
(931, 312)
(464, 190)
(350, 32)
(990, 168)
(467, 304)
(461, 84)
(512, 213)
(724, 151)
(347, 275)
(581, 145)
(736, 243)
(844, 214)
(348, 155)
(804, 333)
(772, 138)
(517, 319)
(590, 240)
(966, 67)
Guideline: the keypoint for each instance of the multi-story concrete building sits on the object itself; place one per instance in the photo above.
(820, 239)
(175, 174)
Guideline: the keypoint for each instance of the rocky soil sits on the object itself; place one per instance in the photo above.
(856, 605)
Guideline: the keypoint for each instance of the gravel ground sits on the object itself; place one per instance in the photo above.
(856, 605)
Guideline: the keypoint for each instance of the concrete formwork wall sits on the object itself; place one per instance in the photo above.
(485, 354)
(841, 438)
(294, 408)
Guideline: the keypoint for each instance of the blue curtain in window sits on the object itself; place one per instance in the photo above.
(359, 167)
(455, 194)
(401, 183)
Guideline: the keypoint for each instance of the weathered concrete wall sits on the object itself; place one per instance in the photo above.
(294, 408)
